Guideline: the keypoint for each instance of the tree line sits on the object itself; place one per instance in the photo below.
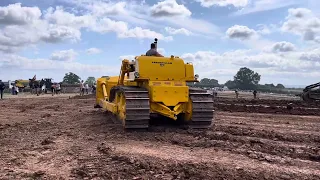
(245, 79)
(72, 78)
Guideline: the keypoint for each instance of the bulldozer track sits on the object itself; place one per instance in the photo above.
(137, 107)
(202, 109)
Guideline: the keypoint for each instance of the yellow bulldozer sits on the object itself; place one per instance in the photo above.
(152, 86)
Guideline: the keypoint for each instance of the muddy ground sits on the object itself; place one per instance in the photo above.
(294, 107)
(62, 138)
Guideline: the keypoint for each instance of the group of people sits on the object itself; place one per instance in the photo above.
(55, 88)
(84, 87)
(14, 90)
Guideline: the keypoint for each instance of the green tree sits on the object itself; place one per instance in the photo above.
(246, 78)
(91, 80)
(206, 82)
(230, 84)
(280, 86)
(71, 78)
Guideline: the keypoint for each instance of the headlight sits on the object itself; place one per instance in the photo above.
(136, 75)
(196, 76)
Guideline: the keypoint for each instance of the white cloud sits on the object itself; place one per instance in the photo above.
(264, 29)
(194, 25)
(93, 51)
(313, 55)
(304, 62)
(25, 27)
(56, 34)
(128, 57)
(248, 37)
(49, 68)
(265, 5)
(15, 14)
(105, 25)
(108, 8)
(283, 46)
(131, 57)
(138, 32)
(240, 32)
(161, 51)
(60, 17)
(183, 31)
(169, 8)
(302, 22)
(15, 61)
(64, 55)
(102, 25)
(235, 3)
(169, 12)
(16, 37)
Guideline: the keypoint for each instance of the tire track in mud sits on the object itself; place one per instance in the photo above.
(256, 148)
(279, 153)
(292, 123)
(283, 148)
(150, 160)
(269, 133)
(273, 150)
(293, 107)
(272, 102)
(196, 155)
(298, 128)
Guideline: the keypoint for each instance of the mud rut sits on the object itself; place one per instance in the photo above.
(68, 139)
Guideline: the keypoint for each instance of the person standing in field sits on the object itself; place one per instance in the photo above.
(255, 94)
(16, 89)
(53, 88)
(237, 94)
(2, 87)
(58, 88)
(87, 88)
(81, 88)
(93, 89)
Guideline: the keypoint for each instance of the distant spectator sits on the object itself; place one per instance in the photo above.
(13, 89)
(93, 89)
(58, 88)
(81, 88)
(43, 88)
(214, 94)
(53, 88)
(16, 90)
(237, 94)
(254, 94)
(2, 87)
(87, 88)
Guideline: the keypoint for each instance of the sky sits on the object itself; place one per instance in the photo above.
(279, 39)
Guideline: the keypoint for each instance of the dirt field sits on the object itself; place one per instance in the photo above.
(249, 95)
(62, 138)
